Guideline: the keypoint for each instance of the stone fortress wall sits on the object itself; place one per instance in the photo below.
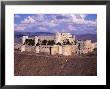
(78, 47)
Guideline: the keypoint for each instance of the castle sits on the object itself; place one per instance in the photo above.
(61, 43)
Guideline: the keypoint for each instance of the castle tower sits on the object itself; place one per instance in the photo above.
(57, 37)
(24, 38)
(36, 40)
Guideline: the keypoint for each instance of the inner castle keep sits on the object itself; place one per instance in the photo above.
(61, 43)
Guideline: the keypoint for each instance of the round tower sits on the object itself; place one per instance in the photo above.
(24, 38)
(36, 40)
(57, 37)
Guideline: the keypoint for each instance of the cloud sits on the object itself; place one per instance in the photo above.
(17, 16)
(19, 27)
(58, 22)
(42, 28)
(83, 16)
(28, 20)
(24, 24)
(51, 23)
(71, 28)
(73, 19)
(80, 19)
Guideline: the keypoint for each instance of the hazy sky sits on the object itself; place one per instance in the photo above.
(74, 23)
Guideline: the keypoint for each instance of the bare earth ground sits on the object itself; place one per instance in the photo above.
(32, 64)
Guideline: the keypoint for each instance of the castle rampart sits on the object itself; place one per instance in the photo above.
(61, 43)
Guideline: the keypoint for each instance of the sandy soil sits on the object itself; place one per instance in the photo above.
(32, 64)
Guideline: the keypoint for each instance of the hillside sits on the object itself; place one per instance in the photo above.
(32, 64)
